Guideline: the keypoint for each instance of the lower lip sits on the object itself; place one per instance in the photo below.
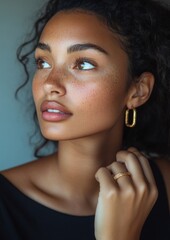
(55, 117)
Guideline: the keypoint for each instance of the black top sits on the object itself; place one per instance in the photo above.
(22, 218)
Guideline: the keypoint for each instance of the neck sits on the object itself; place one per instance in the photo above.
(75, 166)
(79, 160)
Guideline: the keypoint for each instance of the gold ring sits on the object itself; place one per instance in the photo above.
(121, 174)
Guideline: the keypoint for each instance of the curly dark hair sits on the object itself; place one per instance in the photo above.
(143, 27)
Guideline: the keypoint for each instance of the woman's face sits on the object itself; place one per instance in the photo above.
(80, 86)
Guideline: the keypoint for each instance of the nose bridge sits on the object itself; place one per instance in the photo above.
(55, 82)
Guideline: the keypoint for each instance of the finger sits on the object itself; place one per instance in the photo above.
(124, 181)
(105, 179)
(145, 165)
(117, 167)
(148, 173)
(133, 166)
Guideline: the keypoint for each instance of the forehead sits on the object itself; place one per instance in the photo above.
(84, 27)
(67, 29)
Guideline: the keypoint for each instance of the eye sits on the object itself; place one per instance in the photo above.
(42, 64)
(84, 64)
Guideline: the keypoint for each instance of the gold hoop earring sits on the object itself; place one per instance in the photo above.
(133, 118)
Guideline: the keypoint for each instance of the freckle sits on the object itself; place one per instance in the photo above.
(111, 74)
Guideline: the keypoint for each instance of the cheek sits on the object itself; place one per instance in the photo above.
(102, 101)
(34, 87)
(36, 90)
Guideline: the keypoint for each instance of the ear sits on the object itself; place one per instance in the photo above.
(140, 90)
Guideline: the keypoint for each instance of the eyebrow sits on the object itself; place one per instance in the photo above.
(74, 48)
(86, 46)
(43, 46)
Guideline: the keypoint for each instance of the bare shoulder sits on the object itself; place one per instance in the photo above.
(37, 180)
(19, 176)
(164, 166)
(25, 176)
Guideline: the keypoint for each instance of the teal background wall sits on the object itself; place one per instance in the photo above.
(16, 18)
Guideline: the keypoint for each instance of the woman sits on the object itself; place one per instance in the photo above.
(98, 63)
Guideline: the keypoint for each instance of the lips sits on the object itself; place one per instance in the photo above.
(53, 111)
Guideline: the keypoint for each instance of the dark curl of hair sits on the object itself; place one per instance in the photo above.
(143, 27)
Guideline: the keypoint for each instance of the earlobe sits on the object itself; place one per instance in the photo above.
(141, 90)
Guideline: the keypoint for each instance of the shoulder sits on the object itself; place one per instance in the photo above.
(164, 167)
(36, 181)
(20, 176)
(25, 177)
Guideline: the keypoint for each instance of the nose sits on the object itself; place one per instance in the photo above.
(55, 83)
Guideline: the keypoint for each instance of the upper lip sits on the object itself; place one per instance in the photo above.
(54, 105)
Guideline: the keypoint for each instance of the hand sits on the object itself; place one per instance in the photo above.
(124, 204)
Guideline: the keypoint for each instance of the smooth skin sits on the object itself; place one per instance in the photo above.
(92, 84)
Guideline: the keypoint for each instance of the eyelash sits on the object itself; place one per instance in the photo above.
(39, 61)
(77, 63)
(80, 61)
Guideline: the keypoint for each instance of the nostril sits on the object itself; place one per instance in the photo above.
(55, 83)
(54, 89)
